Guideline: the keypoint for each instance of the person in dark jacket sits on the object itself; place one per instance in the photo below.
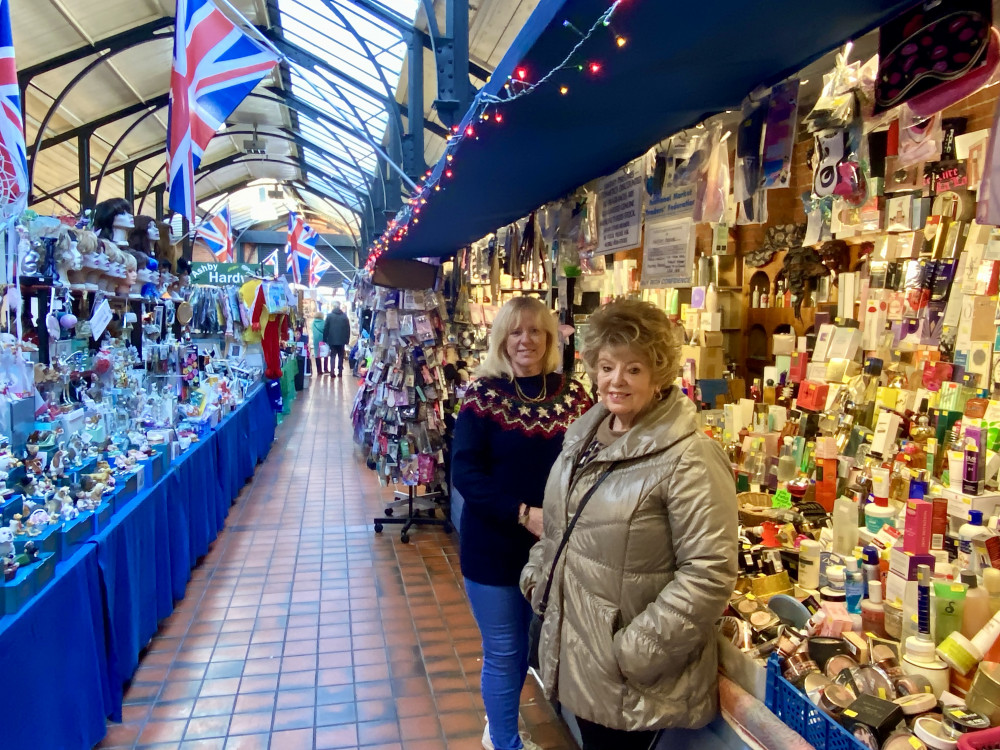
(337, 334)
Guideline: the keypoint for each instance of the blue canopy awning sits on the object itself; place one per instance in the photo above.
(681, 62)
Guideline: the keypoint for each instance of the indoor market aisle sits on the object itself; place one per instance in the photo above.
(302, 629)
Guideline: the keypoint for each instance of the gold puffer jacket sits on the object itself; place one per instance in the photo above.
(628, 639)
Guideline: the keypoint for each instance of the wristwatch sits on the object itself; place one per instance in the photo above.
(522, 518)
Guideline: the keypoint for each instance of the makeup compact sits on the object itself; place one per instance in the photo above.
(879, 717)
(959, 720)
(903, 740)
(916, 704)
(930, 731)
(753, 611)
(822, 648)
(797, 666)
(837, 663)
(836, 699)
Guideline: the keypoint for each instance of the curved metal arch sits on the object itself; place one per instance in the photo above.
(117, 144)
(392, 105)
(57, 103)
(286, 99)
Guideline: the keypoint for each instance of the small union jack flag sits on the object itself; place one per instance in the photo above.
(217, 233)
(300, 247)
(318, 266)
(215, 67)
(13, 157)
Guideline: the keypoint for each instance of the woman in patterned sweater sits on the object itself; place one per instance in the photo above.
(507, 436)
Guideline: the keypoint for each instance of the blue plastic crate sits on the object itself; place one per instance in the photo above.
(790, 705)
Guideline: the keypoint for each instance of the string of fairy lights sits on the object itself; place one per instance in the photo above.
(487, 111)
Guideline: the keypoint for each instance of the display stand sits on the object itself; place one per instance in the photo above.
(420, 511)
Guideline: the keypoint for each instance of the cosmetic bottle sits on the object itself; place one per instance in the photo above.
(969, 532)
(870, 565)
(809, 552)
(845, 525)
(854, 585)
(826, 473)
(786, 463)
(949, 606)
(920, 657)
(872, 611)
(991, 582)
(878, 513)
(977, 605)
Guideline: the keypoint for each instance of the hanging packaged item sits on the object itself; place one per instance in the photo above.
(930, 46)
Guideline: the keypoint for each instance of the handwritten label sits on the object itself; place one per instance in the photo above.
(100, 319)
(782, 499)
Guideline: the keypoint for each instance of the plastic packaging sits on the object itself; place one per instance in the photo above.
(963, 654)
(845, 526)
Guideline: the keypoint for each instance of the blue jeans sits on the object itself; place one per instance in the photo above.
(503, 616)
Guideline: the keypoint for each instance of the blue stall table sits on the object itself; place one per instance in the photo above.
(77, 642)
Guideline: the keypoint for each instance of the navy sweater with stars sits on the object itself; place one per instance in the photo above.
(502, 451)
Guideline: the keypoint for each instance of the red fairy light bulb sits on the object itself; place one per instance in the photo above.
(522, 73)
(448, 173)
(498, 117)
(469, 131)
(595, 67)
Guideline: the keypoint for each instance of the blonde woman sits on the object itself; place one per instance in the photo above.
(627, 643)
(508, 433)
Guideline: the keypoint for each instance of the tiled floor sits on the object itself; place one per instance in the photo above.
(302, 629)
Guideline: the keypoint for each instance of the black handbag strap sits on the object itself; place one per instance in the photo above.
(565, 538)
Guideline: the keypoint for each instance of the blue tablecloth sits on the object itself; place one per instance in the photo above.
(78, 642)
(53, 658)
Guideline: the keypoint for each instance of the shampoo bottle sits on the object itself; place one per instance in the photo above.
(970, 531)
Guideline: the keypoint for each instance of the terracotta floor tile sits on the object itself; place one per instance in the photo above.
(251, 723)
(419, 727)
(340, 736)
(292, 739)
(301, 628)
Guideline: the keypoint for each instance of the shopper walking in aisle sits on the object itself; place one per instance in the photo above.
(337, 334)
(508, 433)
(316, 329)
(627, 642)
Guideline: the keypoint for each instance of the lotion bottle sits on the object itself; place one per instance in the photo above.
(977, 605)
(872, 611)
(845, 526)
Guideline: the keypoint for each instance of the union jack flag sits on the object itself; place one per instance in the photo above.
(13, 157)
(271, 259)
(318, 266)
(215, 66)
(217, 234)
(300, 247)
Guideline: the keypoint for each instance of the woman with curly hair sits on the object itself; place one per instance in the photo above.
(638, 556)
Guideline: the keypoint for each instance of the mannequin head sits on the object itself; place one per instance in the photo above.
(139, 238)
(153, 231)
(106, 217)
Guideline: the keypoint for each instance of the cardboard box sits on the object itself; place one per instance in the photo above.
(710, 361)
(917, 532)
(812, 396)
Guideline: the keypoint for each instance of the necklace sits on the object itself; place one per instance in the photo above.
(538, 399)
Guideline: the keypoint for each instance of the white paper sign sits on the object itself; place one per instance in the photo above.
(668, 254)
(675, 203)
(620, 216)
(100, 319)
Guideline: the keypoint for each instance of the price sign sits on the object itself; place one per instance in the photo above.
(782, 499)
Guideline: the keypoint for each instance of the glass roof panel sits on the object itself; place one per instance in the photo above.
(352, 92)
